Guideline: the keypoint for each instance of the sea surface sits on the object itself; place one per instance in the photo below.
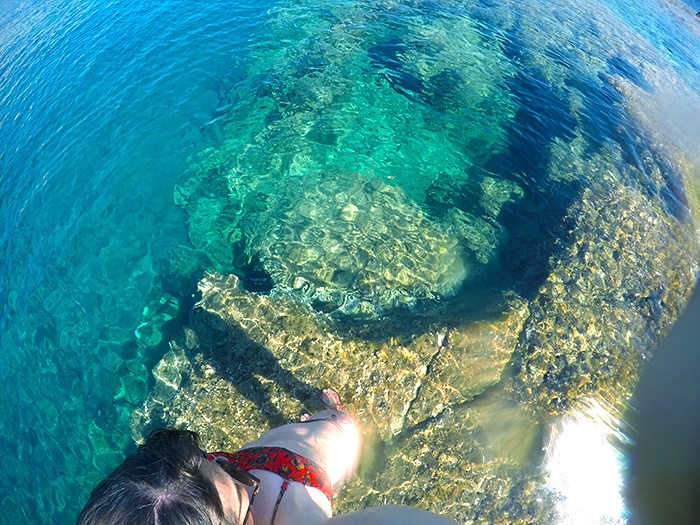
(143, 143)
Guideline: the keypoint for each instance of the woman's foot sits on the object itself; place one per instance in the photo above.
(331, 398)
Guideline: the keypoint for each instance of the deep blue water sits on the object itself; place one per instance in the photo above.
(103, 104)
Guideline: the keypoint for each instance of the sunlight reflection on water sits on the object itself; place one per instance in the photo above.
(585, 462)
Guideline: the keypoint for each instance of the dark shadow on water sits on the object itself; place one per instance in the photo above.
(249, 270)
(617, 65)
(387, 58)
(439, 92)
(479, 300)
(242, 361)
(533, 223)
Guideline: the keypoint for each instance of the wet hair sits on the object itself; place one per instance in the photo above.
(161, 484)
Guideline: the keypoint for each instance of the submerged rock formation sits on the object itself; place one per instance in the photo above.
(355, 244)
(545, 238)
(274, 349)
(247, 362)
(454, 413)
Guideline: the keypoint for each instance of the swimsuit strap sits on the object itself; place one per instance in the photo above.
(279, 500)
(283, 462)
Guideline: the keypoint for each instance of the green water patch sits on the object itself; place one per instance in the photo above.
(393, 118)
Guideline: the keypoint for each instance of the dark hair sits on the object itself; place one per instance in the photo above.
(161, 484)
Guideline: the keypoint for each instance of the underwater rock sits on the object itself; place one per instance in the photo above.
(213, 222)
(452, 414)
(248, 362)
(471, 359)
(273, 349)
(355, 244)
(154, 316)
(317, 105)
(605, 304)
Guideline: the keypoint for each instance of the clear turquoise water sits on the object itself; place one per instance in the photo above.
(104, 104)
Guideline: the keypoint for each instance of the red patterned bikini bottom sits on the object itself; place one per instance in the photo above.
(284, 463)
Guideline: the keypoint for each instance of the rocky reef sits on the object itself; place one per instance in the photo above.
(468, 251)
(454, 413)
(355, 244)
(360, 139)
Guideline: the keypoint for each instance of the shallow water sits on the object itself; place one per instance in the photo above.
(143, 143)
